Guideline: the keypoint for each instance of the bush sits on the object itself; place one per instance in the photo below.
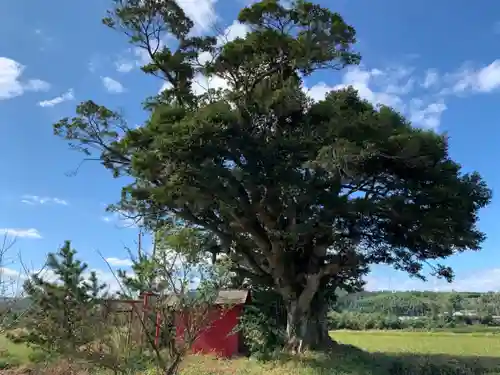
(263, 324)
(364, 321)
(7, 361)
(487, 320)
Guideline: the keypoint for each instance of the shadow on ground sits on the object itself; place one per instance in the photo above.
(348, 359)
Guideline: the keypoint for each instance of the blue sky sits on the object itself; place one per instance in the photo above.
(438, 67)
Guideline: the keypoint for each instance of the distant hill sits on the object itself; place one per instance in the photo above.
(419, 303)
(17, 304)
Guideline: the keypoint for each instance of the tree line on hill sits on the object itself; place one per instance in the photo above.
(415, 309)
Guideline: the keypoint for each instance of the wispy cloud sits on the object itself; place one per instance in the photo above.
(67, 96)
(37, 85)
(431, 78)
(375, 85)
(230, 33)
(124, 66)
(420, 97)
(201, 12)
(204, 17)
(203, 83)
(427, 115)
(112, 85)
(468, 80)
(135, 57)
(477, 281)
(394, 87)
(121, 219)
(35, 199)
(6, 272)
(117, 262)
(44, 39)
(106, 277)
(21, 233)
(11, 84)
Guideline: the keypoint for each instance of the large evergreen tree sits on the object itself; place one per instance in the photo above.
(301, 194)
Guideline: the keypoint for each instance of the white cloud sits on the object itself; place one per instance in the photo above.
(396, 79)
(473, 80)
(35, 199)
(390, 87)
(232, 32)
(134, 57)
(37, 85)
(117, 262)
(21, 233)
(428, 116)
(110, 279)
(124, 66)
(94, 64)
(46, 274)
(67, 96)
(11, 84)
(319, 91)
(478, 281)
(229, 34)
(10, 273)
(285, 3)
(202, 83)
(431, 78)
(488, 78)
(121, 219)
(164, 86)
(106, 277)
(11, 282)
(394, 87)
(112, 86)
(142, 55)
(201, 12)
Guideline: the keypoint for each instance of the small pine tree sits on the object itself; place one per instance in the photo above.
(64, 311)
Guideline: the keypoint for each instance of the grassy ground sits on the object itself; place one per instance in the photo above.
(426, 343)
(12, 354)
(378, 353)
(365, 353)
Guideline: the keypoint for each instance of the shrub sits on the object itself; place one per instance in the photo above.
(263, 324)
(487, 320)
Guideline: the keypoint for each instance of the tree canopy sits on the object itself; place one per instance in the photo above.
(299, 193)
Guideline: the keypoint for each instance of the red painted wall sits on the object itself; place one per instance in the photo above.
(217, 338)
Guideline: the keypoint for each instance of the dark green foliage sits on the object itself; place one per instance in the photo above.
(263, 323)
(413, 303)
(64, 314)
(363, 321)
(400, 303)
(417, 310)
(301, 195)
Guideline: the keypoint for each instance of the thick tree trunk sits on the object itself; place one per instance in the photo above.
(308, 330)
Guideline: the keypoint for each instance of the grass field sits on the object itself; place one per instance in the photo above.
(425, 343)
(365, 353)
(12, 354)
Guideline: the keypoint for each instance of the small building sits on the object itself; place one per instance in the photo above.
(220, 321)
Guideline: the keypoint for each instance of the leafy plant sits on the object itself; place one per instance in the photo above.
(263, 323)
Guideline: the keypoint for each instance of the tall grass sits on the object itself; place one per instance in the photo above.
(363, 353)
(456, 344)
